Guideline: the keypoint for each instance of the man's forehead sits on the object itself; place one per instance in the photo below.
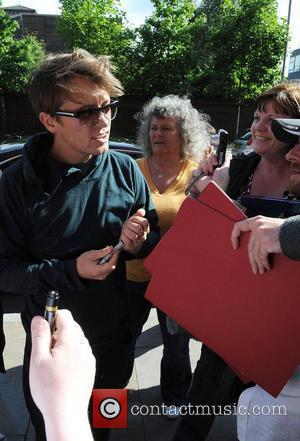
(82, 89)
(86, 97)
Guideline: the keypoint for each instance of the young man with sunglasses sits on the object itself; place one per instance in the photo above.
(65, 204)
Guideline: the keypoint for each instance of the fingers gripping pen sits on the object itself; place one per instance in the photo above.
(107, 258)
(51, 308)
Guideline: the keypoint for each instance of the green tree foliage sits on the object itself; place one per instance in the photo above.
(239, 46)
(17, 57)
(211, 48)
(161, 61)
(99, 26)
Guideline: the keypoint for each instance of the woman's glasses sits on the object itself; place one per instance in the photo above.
(92, 115)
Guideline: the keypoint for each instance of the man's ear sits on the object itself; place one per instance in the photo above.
(48, 121)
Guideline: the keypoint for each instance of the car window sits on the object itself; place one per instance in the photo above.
(246, 136)
(13, 153)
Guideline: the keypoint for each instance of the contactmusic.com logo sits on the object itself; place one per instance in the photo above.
(110, 408)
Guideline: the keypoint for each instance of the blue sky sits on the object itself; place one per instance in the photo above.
(137, 10)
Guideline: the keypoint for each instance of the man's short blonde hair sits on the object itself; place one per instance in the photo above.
(51, 82)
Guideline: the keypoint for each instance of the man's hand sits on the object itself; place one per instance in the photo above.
(263, 240)
(135, 231)
(61, 377)
(88, 268)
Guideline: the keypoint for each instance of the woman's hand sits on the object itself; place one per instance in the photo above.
(207, 166)
(198, 182)
(219, 175)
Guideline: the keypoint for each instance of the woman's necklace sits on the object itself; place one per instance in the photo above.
(164, 174)
(163, 177)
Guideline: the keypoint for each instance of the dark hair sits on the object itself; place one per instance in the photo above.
(52, 81)
(285, 97)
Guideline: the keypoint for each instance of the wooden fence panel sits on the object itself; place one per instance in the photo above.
(21, 120)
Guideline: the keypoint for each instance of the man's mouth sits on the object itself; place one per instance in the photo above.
(100, 136)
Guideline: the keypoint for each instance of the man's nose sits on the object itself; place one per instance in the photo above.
(294, 153)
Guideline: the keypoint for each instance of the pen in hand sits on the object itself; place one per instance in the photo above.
(107, 258)
(51, 308)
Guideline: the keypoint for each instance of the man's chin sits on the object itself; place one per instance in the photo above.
(101, 148)
(104, 147)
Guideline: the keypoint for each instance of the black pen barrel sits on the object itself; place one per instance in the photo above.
(51, 308)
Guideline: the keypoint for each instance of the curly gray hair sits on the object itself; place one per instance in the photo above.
(193, 125)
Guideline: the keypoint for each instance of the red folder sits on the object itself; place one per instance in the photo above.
(251, 321)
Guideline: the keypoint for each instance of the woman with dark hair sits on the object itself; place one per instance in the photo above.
(279, 417)
(263, 172)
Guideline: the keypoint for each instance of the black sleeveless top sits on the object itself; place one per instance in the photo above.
(241, 170)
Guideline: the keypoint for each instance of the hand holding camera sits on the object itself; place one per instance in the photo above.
(211, 168)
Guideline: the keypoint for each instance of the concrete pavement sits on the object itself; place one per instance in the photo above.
(143, 389)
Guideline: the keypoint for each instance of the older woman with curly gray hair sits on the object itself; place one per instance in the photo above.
(193, 126)
(173, 135)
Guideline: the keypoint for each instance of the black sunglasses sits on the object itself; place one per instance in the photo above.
(92, 115)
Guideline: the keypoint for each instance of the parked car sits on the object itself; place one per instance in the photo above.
(244, 141)
(9, 153)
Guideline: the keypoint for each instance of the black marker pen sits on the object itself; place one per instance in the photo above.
(51, 308)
